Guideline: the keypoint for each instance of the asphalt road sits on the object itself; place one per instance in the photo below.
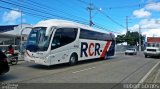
(118, 69)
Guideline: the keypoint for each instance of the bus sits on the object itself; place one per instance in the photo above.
(57, 41)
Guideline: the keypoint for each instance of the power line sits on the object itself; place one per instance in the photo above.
(46, 17)
(70, 7)
(40, 11)
(128, 6)
(48, 8)
(84, 2)
(124, 7)
(42, 16)
(97, 26)
(28, 8)
(100, 27)
(39, 15)
(107, 16)
(111, 19)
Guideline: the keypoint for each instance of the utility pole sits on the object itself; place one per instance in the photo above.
(126, 24)
(90, 8)
(139, 38)
(21, 33)
(21, 18)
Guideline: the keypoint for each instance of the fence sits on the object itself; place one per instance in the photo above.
(122, 48)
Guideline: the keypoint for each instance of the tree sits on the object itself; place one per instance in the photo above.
(132, 38)
(120, 38)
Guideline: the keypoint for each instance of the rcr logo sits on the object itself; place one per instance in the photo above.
(85, 46)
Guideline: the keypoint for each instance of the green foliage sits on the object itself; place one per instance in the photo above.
(132, 38)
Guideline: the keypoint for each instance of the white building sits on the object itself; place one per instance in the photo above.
(11, 34)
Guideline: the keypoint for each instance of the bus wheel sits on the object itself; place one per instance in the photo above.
(73, 59)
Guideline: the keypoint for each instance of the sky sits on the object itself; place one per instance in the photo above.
(109, 14)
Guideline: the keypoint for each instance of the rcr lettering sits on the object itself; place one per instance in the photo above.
(86, 49)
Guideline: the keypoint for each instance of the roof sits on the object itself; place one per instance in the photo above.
(65, 23)
(4, 37)
(153, 39)
(6, 28)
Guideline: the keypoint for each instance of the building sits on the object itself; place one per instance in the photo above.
(11, 34)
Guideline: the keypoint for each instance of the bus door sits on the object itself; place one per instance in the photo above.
(61, 44)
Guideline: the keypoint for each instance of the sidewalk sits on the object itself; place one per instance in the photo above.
(154, 76)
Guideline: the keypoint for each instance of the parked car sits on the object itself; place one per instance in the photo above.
(131, 51)
(4, 67)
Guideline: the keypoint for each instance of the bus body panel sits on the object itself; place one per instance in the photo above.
(37, 58)
(90, 49)
(84, 46)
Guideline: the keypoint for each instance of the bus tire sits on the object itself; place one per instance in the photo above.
(73, 59)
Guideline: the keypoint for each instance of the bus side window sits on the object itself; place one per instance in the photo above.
(56, 39)
(68, 35)
(63, 36)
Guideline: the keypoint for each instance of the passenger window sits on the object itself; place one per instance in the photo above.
(63, 36)
(68, 35)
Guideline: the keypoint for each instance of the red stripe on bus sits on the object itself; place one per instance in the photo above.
(106, 48)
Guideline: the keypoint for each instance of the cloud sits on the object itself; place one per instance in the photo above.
(141, 13)
(152, 32)
(150, 23)
(153, 6)
(11, 17)
(149, 27)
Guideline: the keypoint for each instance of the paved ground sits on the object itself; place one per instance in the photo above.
(154, 76)
(119, 69)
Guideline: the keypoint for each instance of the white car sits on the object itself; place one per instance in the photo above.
(152, 52)
(131, 51)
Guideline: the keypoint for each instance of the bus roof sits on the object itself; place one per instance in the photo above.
(66, 23)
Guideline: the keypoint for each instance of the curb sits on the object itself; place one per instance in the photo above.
(150, 71)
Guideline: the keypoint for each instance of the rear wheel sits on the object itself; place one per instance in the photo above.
(73, 59)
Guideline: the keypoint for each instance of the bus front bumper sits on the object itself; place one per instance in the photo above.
(37, 61)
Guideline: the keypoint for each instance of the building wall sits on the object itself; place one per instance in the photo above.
(15, 39)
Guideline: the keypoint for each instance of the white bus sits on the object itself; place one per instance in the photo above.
(59, 41)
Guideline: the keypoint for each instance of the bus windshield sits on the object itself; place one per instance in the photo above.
(37, 40)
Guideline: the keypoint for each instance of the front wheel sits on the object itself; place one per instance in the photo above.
(73, 59)
(14, 61)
